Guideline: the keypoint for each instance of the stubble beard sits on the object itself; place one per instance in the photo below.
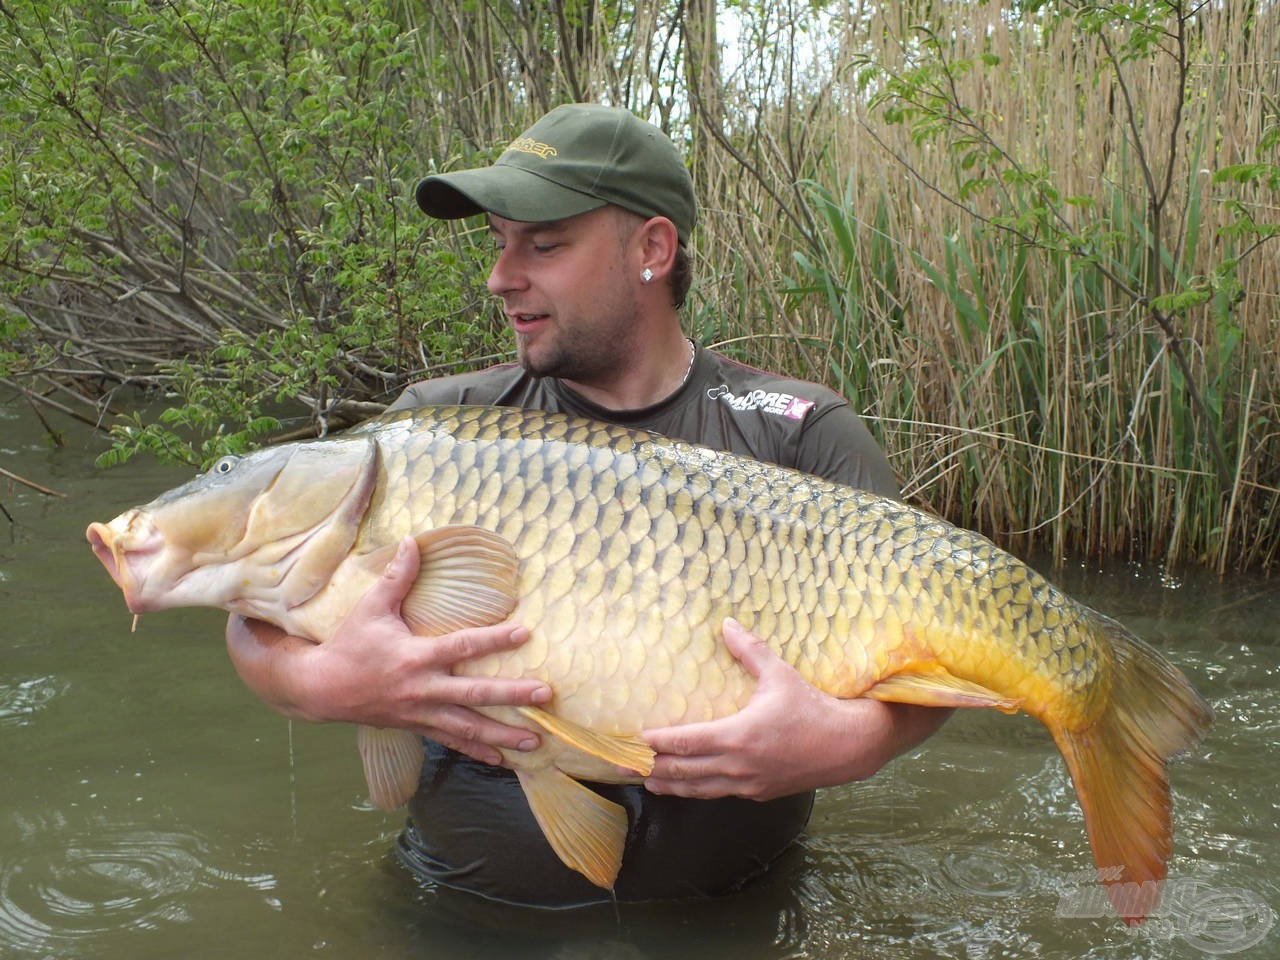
(571, 354)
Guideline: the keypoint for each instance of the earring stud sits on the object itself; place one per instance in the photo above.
(646, 276)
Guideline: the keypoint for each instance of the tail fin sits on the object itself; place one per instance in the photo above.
(1118, 766)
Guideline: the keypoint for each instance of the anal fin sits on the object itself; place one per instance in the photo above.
(629, 752)
(586, 831)
(940, 689)
(392, 765)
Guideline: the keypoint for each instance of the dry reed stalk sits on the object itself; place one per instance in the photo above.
(29, 483)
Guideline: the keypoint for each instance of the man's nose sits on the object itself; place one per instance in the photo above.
(505, 275)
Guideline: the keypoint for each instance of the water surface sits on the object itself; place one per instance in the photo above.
(150, 806)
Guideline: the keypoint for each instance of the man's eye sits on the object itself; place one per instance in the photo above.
(545, 247)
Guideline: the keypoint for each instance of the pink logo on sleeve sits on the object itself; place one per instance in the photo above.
(797, 408)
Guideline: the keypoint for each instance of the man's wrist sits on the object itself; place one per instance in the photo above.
(877, 732)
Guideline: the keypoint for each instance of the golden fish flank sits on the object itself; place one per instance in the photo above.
(623, 553)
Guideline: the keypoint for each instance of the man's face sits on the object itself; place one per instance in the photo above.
(567, 289)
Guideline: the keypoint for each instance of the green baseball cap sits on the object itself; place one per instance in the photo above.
(578, 157)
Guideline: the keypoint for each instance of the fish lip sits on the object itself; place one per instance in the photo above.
(123, 547)
(102, 540)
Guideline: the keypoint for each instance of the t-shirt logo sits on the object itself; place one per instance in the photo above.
(778, 404)
(797, 408)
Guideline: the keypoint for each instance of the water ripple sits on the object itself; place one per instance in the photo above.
(20, 700)
(991, 866)
(64, 885)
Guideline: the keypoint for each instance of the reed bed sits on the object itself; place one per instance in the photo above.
(981, 280)
(999, 232)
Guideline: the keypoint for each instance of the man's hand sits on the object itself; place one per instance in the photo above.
(374, 671)
(789, 738)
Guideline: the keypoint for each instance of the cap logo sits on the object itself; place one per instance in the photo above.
(529, 145)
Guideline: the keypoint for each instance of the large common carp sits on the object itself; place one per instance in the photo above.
(623, 552)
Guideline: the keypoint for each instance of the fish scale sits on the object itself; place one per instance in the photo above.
(636, 495)
(623, 553)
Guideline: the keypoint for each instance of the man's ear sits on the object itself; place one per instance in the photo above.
(659, 241)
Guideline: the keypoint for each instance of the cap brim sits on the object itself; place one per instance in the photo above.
(508, 191)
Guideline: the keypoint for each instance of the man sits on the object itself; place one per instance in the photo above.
(591, 211)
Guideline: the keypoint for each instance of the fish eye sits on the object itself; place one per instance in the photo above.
(225, 465)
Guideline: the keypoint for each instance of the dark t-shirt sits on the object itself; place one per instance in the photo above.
(470, 827)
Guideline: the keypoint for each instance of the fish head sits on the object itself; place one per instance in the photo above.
(256, 534)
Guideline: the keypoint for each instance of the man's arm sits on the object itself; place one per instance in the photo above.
(374, 671)
(789, 738)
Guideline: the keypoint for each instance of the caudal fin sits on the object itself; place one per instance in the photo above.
(1118, 766)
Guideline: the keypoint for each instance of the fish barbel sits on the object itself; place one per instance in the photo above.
(623, 552)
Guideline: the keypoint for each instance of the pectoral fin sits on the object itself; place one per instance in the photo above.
(392, 765)
(586, 831)
(940, 689)
(466, 578)
(629, 752)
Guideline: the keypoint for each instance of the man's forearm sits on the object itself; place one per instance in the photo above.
(273, 665)
(913, 725)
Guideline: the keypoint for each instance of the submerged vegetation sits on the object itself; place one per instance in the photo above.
(1036, 243)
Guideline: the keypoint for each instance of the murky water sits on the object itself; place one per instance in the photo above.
(151, 807)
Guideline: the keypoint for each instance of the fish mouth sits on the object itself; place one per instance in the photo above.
(122, 547)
